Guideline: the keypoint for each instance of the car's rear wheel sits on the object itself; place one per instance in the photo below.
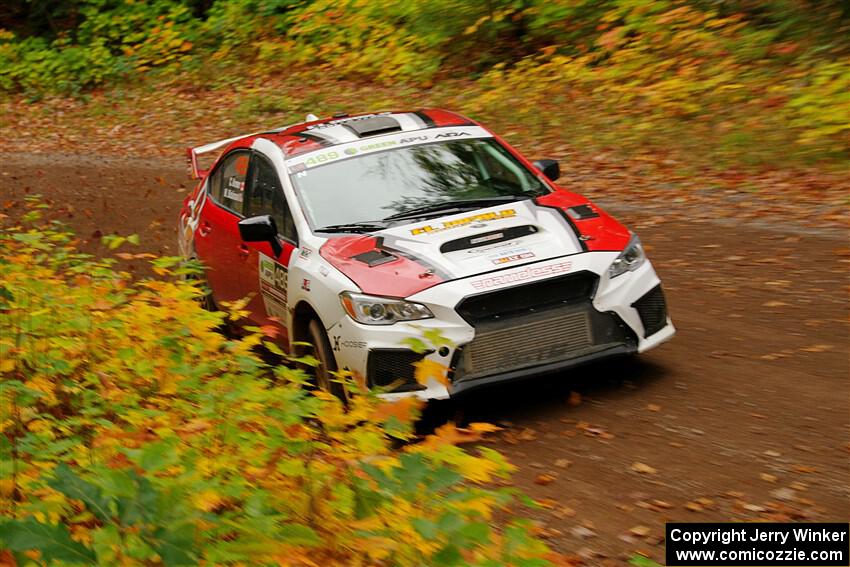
(327, 362)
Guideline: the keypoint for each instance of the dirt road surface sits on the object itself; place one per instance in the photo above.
(745, 415)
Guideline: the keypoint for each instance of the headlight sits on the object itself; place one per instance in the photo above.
(373, 310)
(629, 260)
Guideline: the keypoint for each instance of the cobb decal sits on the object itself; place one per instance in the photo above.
(446, 225)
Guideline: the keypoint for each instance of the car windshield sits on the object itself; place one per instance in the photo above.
(369, 188)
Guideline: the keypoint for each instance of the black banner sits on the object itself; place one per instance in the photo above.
(762, 544)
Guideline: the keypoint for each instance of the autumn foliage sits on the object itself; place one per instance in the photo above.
(133, 432)
(758, 82)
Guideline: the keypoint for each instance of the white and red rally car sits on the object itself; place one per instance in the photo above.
(355, 233)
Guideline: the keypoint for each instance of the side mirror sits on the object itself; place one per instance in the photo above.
(260, 229)
(549, 168)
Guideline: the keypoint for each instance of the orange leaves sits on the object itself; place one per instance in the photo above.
(404, 410)
(450, 434)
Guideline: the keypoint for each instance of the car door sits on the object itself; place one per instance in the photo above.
(265, 274)
(217, 241)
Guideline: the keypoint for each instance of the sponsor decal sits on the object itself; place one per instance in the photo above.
(325, 157)
(414, 139)
(338, 343)
(528, 273)
(446, 225)
(378, 146)
(489, 249)
(234, 189)
(487, 238)
(233, 195)
(507, 256)
(273, 281)
(305, 285)
(305, 253)
(300, 164)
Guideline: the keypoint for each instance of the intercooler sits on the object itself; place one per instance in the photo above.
(557, 322)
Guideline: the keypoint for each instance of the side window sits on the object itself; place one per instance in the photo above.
(267, 198)
(227, 184)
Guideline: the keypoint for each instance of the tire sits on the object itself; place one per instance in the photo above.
(327, 362)
(206, 301)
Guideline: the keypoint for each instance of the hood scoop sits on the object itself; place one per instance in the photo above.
(581, 212)
(486, 238)
(375, 257)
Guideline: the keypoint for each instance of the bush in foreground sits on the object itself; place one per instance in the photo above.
(134, 433)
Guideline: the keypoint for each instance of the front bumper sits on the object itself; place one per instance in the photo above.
(513, 331)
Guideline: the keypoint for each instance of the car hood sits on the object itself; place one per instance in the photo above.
(405, 259)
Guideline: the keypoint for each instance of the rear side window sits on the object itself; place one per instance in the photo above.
(227, 185)
(267, 198)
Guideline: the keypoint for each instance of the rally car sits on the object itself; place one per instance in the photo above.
(356, 232)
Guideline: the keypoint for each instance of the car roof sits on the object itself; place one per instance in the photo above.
(342, 128)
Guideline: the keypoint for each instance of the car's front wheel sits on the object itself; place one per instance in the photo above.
(327, 362)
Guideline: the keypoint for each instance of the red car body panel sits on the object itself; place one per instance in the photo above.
(399, 278)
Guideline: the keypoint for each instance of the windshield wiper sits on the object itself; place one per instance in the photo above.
(366, 226)
(456, 206)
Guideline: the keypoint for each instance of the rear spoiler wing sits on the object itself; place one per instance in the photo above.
(193, 153)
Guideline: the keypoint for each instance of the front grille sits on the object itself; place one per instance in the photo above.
(652, 309)
(389, 366)
(528, 298)
(527, 341)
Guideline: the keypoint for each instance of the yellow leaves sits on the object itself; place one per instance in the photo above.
(162, 395)
(429, 369)
(208, 500)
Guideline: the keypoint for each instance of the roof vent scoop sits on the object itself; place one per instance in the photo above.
(373, 126)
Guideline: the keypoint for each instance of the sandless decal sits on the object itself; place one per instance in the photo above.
(273, 281)
(446, 225)
(529, 273)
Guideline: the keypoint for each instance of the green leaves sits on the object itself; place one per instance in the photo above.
(153, 439)
(53, 541)
(72, 486)
(298, 534)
